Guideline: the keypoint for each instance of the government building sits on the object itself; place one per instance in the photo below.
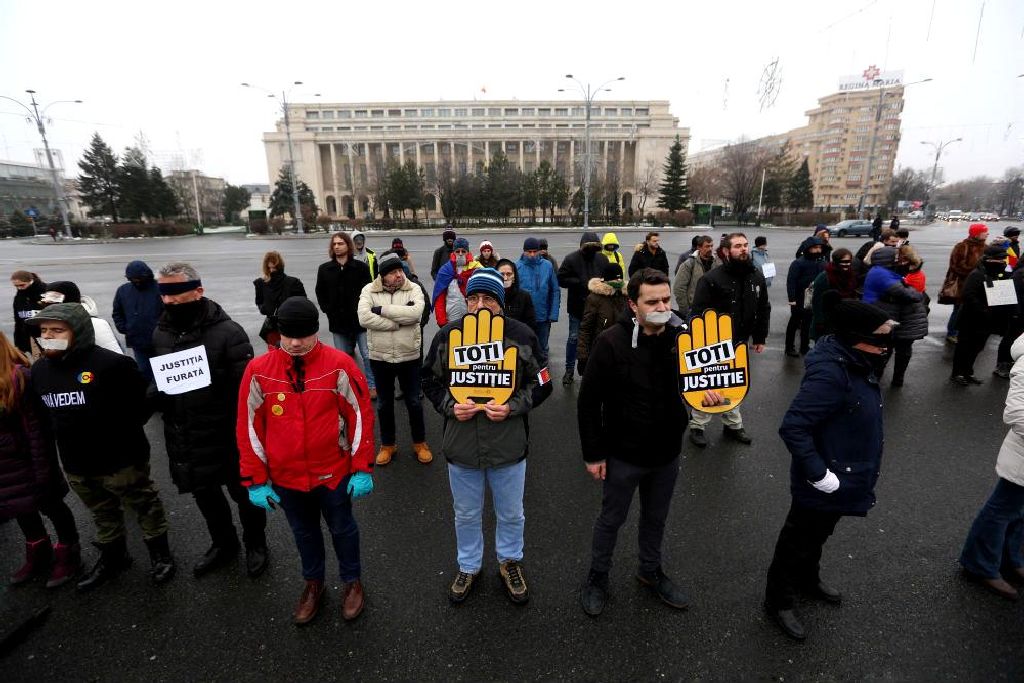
(339, 148)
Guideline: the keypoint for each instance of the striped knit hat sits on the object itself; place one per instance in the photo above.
(487, 281)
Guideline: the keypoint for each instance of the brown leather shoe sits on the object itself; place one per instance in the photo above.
(352, 600)
(997, 585)
(387, 451)
(309, 603)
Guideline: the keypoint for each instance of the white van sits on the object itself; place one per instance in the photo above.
(955, 215)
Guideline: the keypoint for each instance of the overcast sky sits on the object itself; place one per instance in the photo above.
(173, 71)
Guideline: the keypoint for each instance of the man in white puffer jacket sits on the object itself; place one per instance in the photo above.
(993, 547)
(390, 308)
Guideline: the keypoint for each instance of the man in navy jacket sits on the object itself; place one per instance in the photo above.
(137, 308)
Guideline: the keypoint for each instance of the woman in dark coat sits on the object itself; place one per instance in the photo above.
(840, 276)
(271, 291)
(603, 308)
(30, 477)
(833, 430)
(518, 303)
(26, 305)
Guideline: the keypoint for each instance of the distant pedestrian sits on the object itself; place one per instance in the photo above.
(449, 295)
(443, 253)
(876, 228)
(894, 224)
(605, 305)
(271, 291)
(836, 453)
(30, 289)
(574, 275)
(338, 284)
(518, 304)
(136, 310)
(537, 277)
(649, 254)
(547, 254)
(760, 257)
(305, 436)
(1012, 233)
(612, 250)
(31, 481)
(361, 252)
(398, 246)
(963, 259)
(486, 255)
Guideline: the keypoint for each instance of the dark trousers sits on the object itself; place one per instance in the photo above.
(799, 318)
(902, 351)
(798, 554)
(217, 512)
(304, 510)
(970, 343)
(408, 376)
(58, 512)
(1013, 330)
(656, 485)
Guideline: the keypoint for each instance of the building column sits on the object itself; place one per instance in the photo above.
(554, 154)
(351, 175)
(401, 152)
(451, 151)
(572, 162)
(622, 164)
(334, 176)
(419, 164)
(522, 158)
(537, 143)
(487, 152)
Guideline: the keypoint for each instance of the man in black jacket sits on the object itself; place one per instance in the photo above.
(338, 285)
(631, 422)
(199, 424)
(443, 253)
(736, 288)
(97, 404)
(802, 272)
(649, 254)
(574, 275)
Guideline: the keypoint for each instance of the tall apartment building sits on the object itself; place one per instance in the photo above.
(836, 141)
(339, 148)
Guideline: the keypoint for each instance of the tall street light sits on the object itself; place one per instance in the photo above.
(939, 146)
(35, 115)
(588, 97)
(283, 100)
(882, 92)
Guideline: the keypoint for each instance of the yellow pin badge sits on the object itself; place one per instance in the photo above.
(709, 361)
(277, 409)
(480, 368)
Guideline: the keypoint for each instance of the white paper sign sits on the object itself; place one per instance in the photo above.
(182, 371)
(1001, 293)
(768, 269)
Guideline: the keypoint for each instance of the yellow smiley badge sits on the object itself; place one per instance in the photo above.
(710, 362)
(280, 397)
(480, 368)
(277, 410)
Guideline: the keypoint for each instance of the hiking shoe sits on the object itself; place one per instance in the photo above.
(739, 434)
(515, 581)
(423, 453)
(387, 451)
(461, 586)
(698, 439)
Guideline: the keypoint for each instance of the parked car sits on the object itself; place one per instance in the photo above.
(851, 228)
(955, 215)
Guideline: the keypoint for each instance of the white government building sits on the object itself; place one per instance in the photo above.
(339, 147)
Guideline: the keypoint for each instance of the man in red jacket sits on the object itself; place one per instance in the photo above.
(305, 434)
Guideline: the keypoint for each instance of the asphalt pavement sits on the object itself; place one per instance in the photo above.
(906, 614)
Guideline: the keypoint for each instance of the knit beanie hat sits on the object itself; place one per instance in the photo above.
(487, 244)
(995, 252)
(853, 319)
(883, 256)
(531, 244)
(461, 243)
(448, 234)
(297, 317)
(487, 281)
(611, 271)
(397, 243)
(590, 238)
(388, 262)
(977, 230)
(1011, 231)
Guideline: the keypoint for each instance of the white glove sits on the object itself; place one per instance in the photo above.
(828, 484)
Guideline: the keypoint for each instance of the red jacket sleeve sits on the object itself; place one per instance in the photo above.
(355, 407)
(250, 430)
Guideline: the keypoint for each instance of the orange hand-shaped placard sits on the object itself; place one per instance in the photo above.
(709, 361)
(480, 368)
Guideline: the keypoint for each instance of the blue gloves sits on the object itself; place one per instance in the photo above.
(359, 485)
(263, 496)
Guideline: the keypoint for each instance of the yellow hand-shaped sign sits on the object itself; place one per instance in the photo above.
(713, 373)
(480, 368)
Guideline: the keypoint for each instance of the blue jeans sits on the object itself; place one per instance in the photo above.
(543, 333)
(304, 510)
(571, 342)
(142, 357)
(507, 484)
(994, 541)
(347, 343)
(951, 325)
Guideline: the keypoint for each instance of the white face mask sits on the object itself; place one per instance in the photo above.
(658, 317)
(53, 344)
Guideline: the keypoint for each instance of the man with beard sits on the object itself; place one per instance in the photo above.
(444, 252)
(137, 307)
(199, 424)
(738, 289)
(574, 275)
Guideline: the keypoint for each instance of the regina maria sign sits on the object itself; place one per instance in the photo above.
(872, 77)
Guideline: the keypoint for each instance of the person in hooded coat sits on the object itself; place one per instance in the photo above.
(574, 275)
(833, 430)
(449, 296)
(518, 304)
(486, 255)
(364, 253)
(65, 292)
(537, 277)
(605, 305)
(271, 291)
(444, 252)
(612, 250)
(885, 288)
(839, 275)
(137, 307)
(802, 272)
(26, 303)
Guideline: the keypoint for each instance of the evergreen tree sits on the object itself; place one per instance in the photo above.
(778, 177)
(674, 195)
(801, 190)
(99, 182)
(235, 199)
(164, 201)
(133, 185)
(281, 201)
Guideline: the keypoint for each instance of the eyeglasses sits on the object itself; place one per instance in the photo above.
(481, 299)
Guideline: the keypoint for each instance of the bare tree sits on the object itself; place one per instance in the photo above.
(705, 184)
(742, 164)
(646, 185)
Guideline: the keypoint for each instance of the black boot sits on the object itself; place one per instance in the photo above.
(161, 561)
(114, 559)
(256, 559)
(594, 593)
(217, 556)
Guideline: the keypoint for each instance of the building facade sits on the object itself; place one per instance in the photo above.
(837, 143)
(197, 191)
(340, 148)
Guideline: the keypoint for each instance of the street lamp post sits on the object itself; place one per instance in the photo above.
(588, 98)
(939, 146)
(283, 99)
(874, 137)
(59, 198)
